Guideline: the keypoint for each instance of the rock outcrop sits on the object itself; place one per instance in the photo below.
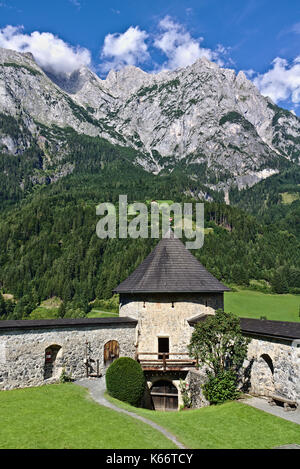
(205, 120)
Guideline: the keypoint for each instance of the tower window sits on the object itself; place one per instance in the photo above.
(163, 347)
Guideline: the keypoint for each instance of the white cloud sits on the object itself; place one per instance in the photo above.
(249, 73)
(296, 28)
(133, 47)
(128, 48)
(76, 3)
(49, 51)
(281, 82)
(179, 46)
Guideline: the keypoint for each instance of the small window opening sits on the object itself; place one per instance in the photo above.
(163, 347)
(172, 304)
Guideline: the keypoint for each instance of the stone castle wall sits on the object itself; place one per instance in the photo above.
(22, 352)
(273, 367)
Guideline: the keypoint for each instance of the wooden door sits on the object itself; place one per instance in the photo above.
(50, 358)
(164, 396)
(111, 352)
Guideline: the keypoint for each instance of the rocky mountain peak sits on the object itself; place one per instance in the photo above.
(211, 122)
(126, 80)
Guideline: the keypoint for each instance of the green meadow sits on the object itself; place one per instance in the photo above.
(253, 304)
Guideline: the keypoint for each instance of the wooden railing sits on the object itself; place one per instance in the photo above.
(164, 361)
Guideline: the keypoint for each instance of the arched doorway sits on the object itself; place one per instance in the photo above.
(164, 395)
(50, 368)
(111, 352)
(262, 380)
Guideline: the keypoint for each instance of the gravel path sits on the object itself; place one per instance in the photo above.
(96, 387)
(262, 404)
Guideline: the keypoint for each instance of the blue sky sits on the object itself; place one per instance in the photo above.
(261, 37)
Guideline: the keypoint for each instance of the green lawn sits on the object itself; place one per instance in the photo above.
(252, 304)
(95, 313)
(232, 425)
(64, 417)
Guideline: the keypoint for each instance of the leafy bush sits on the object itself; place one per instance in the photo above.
(110, 305)
(125, 381)
(64, 377)
(294, 291)
(221, 388)
(260, 285)
(185, 394)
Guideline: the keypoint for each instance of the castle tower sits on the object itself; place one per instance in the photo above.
(169, 288)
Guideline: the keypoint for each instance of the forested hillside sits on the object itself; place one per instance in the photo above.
(49, 245)
(274, 201)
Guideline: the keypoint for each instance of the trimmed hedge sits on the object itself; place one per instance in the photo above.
(125, 381)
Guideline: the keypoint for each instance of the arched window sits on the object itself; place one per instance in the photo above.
(111, 352)
(262, 376)
(50, 367)
(269, 362)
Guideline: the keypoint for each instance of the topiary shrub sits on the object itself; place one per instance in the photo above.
(221, 388)
(125, 381)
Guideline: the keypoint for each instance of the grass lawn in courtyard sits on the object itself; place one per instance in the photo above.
(232, 425)
(65, 417)
(253, 304)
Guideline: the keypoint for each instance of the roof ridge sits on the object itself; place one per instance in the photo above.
(170, 267)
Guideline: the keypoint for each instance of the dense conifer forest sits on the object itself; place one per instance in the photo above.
(48, 240)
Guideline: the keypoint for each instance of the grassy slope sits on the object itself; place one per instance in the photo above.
(101, 314)
(232, 425)
(247, 303)
(64, 417)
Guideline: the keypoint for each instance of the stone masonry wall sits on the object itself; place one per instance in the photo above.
(22, 352)
(196, 379)
(166, 315)
(273, 367)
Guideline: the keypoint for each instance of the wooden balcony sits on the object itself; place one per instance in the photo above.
(164, 362)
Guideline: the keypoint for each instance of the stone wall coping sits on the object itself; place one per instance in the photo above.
(66, 323)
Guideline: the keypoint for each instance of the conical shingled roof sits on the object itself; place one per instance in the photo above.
(170, 268)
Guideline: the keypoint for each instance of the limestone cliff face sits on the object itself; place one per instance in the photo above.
(204, 119)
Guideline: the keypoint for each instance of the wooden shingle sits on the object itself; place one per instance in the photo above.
(170, 268)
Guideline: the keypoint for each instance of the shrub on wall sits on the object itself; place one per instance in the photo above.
(125, 381)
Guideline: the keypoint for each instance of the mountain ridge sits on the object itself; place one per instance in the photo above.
(207, 121)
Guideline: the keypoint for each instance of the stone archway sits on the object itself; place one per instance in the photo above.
(164, 395)
(262, 379)
(52, 366)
